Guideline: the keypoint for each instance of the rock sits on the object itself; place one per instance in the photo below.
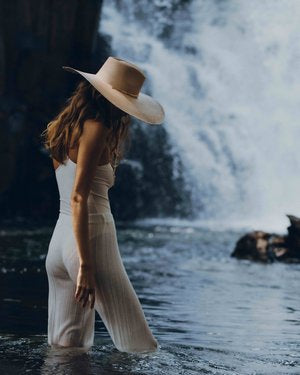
(293, 238)
(268, 247)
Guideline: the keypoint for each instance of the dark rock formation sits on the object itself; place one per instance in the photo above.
(37, 37)
(268, 247)
(145, 183)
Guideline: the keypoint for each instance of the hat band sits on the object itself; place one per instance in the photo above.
(125, 92)
(128, 86)
(121, 76)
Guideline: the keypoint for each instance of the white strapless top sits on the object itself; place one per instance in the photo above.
(98, 200)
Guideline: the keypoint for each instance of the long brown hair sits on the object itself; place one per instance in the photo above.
(86, 103)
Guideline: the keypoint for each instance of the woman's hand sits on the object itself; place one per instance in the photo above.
(85, 285)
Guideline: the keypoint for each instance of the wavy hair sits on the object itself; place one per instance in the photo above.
(86, 103)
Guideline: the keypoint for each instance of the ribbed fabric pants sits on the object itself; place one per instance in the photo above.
(70, 324)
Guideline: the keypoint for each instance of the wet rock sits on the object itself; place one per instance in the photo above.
(267, 247)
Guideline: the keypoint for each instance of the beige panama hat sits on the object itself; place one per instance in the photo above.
(120, 82)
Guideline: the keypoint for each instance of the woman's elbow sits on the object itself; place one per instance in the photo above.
(78, 199)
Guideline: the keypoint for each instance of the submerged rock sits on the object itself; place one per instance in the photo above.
(268, 247)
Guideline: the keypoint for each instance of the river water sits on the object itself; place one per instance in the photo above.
(211, 313)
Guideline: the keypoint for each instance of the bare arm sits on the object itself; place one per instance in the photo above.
(92, 144)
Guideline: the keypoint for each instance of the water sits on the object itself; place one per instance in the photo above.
(227, 74)
(211, 313)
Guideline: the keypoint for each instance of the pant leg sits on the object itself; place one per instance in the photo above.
(116, 300)
(69, 324)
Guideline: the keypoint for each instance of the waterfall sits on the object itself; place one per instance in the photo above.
(227, 74)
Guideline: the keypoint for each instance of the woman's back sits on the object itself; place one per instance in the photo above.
(104, 158)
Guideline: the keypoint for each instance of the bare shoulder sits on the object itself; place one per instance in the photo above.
(93, 127)
(91, 146)
(94, 135)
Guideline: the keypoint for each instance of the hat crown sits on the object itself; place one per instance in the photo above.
(122, 75)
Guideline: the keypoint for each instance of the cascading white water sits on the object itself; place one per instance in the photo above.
(228, 77)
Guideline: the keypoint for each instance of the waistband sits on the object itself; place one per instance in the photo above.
(101, 217)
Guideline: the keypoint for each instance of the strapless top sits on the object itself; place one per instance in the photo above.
(98, 200)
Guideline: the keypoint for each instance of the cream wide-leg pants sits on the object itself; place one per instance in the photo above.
(70, 324)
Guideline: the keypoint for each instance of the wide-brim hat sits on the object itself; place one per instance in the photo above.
(120, 82)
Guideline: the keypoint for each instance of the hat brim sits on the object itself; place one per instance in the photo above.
(144, 107)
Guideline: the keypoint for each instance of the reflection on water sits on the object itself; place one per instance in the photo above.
(211, 314)
(66, 360)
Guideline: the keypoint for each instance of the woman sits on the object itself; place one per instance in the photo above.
(83, 264)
